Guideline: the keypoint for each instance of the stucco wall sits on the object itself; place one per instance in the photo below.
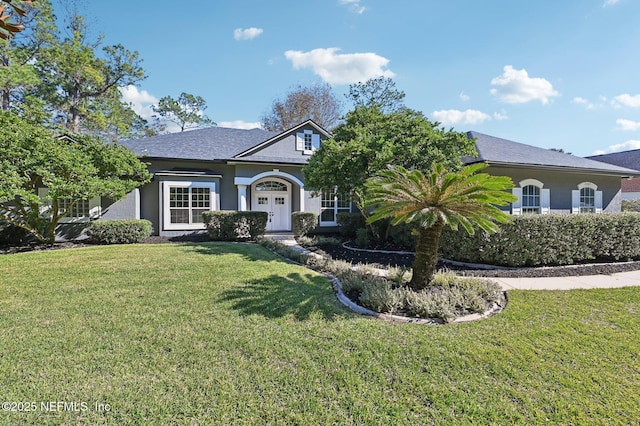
(562, 183)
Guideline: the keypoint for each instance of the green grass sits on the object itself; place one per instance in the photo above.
(230, 334)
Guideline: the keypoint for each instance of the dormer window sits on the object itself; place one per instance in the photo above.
(307, 142)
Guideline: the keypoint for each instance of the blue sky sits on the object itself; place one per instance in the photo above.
(550, 73)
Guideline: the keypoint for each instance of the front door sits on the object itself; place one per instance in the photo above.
(274, 198)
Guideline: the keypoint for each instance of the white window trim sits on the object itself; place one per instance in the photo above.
(545, 197)
(166, 212)
(300, 145)
(336, 210)
(575, 197)
(95, 209)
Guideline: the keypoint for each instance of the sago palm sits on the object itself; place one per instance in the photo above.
(467, 198)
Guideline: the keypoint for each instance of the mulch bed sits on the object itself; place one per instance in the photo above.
(406, 260)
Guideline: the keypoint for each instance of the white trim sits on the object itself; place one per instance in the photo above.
(242, 198)
(95, 208)
(272, 195)
(276, 173)
(534, 182)
(166, 212)
(588, 185)
(516, 206)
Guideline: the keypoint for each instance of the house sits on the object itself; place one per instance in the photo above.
(630, 160)
(548, 181)
(232, 169)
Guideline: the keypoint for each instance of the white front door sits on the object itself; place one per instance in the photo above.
(273, 196)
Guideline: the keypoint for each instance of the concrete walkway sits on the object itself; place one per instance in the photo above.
(622, 279)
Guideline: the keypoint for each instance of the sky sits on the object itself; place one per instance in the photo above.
(560, 74)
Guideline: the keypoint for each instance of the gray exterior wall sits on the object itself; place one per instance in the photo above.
(285, 148)
(562, 183)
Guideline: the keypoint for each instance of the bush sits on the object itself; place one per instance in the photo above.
(363, 238)
(126, 231)
(11, 235)
(349, 223)
(231, 225)
(405, 235)
(303, 223)
(378, 295)
(631, 205)
(558, 239)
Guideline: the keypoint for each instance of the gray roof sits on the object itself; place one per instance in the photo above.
(497, 151)
(628, 159)
(212, 143)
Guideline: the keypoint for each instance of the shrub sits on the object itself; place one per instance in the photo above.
(349, 223)
(125, 231)
(631, 205)
(557, 239)
(11, 235)
(363, 238)
(323, 241)
(378, 295)
(404, 235)
(231, 225)
(303, 223)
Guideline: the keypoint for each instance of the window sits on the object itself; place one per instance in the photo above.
(271, 185)
(586, 199)
(185, 202)
(307, 142)
(331, 204)
(532, 198)
(80, 211)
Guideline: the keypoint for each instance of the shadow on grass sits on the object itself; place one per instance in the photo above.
(249, 251)
(300, 296)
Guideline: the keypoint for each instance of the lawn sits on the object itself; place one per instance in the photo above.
(218, 333)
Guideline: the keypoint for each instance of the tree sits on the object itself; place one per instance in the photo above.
(72, 170)
(186, 111)
(378, 92)
(75, 81)
(7, 28)
(466, 198)
(316, 102)
(370, 140)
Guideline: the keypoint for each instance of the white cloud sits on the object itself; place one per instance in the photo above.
(354, 6)
(608, 3)
(453, 117)
(630, 144)
(500, 116)
(239, 124)
(335, 68)
(141, 101)
(516, 87)
(627, 100)
(247, 34)
(628, 124)
(464, 97)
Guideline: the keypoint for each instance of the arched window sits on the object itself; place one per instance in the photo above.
(532, 198)
(586, 199)
(271, 185)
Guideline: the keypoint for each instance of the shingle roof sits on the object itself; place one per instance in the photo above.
(212, 143)
(628, 159)
(505, 152)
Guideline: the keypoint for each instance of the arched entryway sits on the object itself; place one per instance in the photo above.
(273, 195)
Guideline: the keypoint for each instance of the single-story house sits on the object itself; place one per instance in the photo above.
(232, 169)
(630, 160)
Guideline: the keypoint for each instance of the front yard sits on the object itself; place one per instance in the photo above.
(217, 333)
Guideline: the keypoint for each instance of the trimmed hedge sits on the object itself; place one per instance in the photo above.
(631, 205)
(232, 225)
(303, 223)
(556, 239)
(125, 231)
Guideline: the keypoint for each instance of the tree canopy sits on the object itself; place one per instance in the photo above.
(371, 139)
(187, 112)
(72, 169)
(316, 102)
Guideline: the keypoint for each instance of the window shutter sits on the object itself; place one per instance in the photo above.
(575, 201)
(516, 206)
(95, 210)
(300, 142)
(545, 201)
(315, 141)
(598, 201)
